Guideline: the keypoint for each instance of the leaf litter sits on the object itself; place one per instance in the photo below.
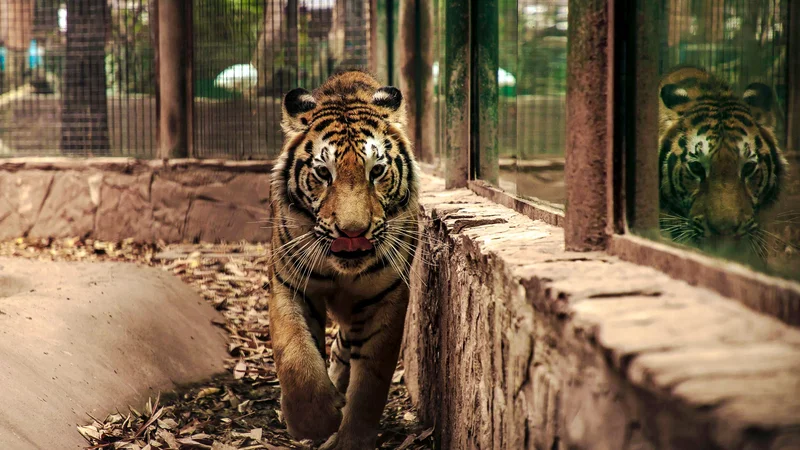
(238, 410)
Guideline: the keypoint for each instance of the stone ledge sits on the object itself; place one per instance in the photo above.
(513, 342)
(119, 198)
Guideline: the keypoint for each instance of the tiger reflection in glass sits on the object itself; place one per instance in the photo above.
(719, 161)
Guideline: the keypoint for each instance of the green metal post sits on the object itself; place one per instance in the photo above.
(485, 89)
(457, 93)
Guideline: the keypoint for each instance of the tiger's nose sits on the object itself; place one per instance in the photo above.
(354, 232)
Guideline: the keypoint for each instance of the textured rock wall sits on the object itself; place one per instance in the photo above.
(514, 343)
(119, 198)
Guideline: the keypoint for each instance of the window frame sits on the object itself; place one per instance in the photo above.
(601, 194)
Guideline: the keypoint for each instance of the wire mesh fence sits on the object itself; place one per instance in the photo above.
(250, 52)
(76, 78)
(79, 77)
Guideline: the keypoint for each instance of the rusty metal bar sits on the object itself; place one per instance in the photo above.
(154, 39)
(764, 294)
(588, 116)
(415, 62)
(188, 14)
(457, 82)
(172, 61)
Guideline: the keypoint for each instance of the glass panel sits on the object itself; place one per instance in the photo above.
(726, 170)
(532, 90)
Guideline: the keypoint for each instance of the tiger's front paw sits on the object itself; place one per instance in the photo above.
(340, 441)
(312, 412)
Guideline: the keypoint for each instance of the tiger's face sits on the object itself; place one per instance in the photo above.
(719, 160)
(347, 169)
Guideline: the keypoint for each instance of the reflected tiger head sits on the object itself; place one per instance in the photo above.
(719, 161)
(347, 165)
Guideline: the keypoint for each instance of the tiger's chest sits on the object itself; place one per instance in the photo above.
(346, 296)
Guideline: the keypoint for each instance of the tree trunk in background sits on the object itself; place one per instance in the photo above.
(84, 112)
(275, 57)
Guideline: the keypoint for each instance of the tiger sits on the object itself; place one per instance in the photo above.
(344, 235)
(720, 164)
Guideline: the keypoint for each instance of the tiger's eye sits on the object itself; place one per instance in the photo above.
(749, 169)
(322, 172)
(697, 169)
(377, 171)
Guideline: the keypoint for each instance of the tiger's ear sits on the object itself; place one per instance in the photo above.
(673, 96)
(762, 103)
(390, 100)
(297, 102)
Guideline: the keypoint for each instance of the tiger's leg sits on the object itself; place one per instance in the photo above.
(374, 348)
(339, 370)
(310, 403)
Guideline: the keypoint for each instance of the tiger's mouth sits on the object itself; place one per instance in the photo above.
(352, 248)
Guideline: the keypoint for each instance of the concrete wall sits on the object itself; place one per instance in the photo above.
(514, 343)
(118, 198)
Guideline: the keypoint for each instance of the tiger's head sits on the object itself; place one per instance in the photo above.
(347, 169)
(718, 156)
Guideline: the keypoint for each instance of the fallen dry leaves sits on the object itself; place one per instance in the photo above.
(241, 409)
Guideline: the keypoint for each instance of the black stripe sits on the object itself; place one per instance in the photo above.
(671, 162)
(364, 304)
(287, 167)
(398, 162)
(380, 264)
(340, 110)
(403, 201)
(773, 153)
(401, 146)
(322, 124)
(365, 339)
(339, 358)
(326, 110)
(357, 356)
(664, 151)
(316, 315)
(342, 341)
(698, 119)
(745, 121)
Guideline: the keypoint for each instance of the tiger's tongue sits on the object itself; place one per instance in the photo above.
(346, 244)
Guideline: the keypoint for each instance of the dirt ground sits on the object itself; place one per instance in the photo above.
(237, 410)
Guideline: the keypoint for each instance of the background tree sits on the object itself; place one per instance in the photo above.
(84, 112)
